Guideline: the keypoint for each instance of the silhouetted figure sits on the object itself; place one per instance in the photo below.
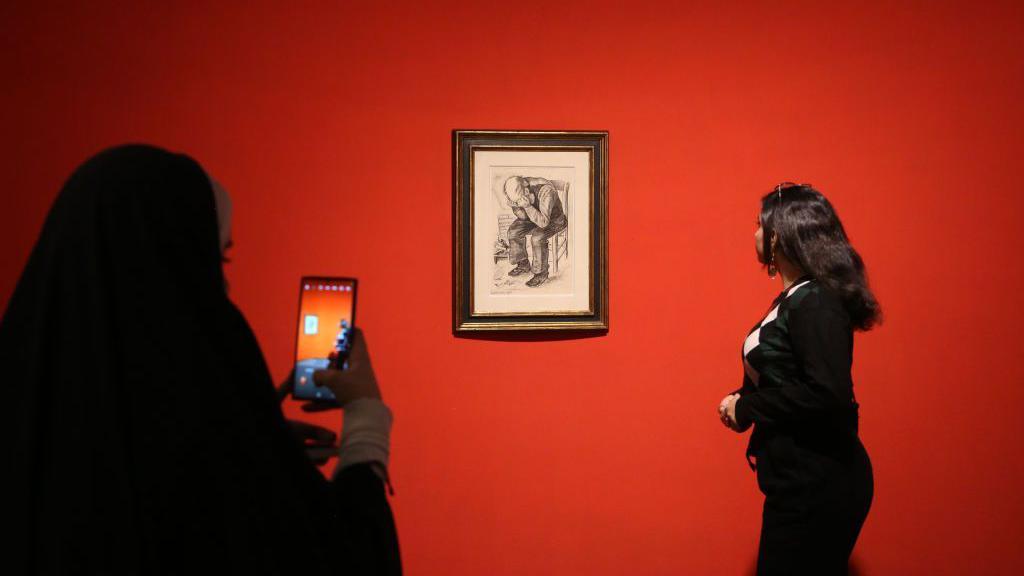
(153, 441)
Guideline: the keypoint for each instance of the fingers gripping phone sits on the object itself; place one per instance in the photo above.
(327, 315)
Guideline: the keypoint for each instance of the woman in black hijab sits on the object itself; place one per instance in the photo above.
(147, 435)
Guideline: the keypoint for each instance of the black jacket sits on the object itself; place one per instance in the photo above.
(797, 387)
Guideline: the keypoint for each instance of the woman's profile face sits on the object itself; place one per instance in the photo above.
(759, 241)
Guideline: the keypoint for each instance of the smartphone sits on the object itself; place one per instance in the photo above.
(327, 315)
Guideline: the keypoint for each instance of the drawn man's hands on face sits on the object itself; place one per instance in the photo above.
(523, 200)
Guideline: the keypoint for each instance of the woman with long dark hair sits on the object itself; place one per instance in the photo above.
(797, 390)
(144, 432)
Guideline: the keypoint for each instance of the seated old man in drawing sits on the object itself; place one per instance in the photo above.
(539, 214)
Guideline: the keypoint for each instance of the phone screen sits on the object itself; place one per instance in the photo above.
(327, 314)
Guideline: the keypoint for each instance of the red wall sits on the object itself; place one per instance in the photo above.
(330, 124)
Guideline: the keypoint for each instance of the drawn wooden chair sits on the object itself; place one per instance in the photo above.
(558, 245)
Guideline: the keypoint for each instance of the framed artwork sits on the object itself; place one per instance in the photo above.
(531, 230)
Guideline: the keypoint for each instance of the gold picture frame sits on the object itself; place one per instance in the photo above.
(530, 230)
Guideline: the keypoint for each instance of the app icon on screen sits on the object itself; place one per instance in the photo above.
(312, 324)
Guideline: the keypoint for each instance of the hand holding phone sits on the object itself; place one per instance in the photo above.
(357, 381)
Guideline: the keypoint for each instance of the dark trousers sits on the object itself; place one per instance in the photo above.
(517, 233)
(815, 505)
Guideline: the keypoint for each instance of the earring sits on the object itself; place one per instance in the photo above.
(772, 269)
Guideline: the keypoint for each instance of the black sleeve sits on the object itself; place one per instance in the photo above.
(369, 541)
(822, 344)
(746, 388)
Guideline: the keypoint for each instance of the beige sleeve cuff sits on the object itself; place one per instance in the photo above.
(365, 433)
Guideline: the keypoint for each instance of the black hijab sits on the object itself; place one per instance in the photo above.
(146, 436)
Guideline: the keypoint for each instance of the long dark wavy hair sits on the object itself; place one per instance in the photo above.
(811, 236)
